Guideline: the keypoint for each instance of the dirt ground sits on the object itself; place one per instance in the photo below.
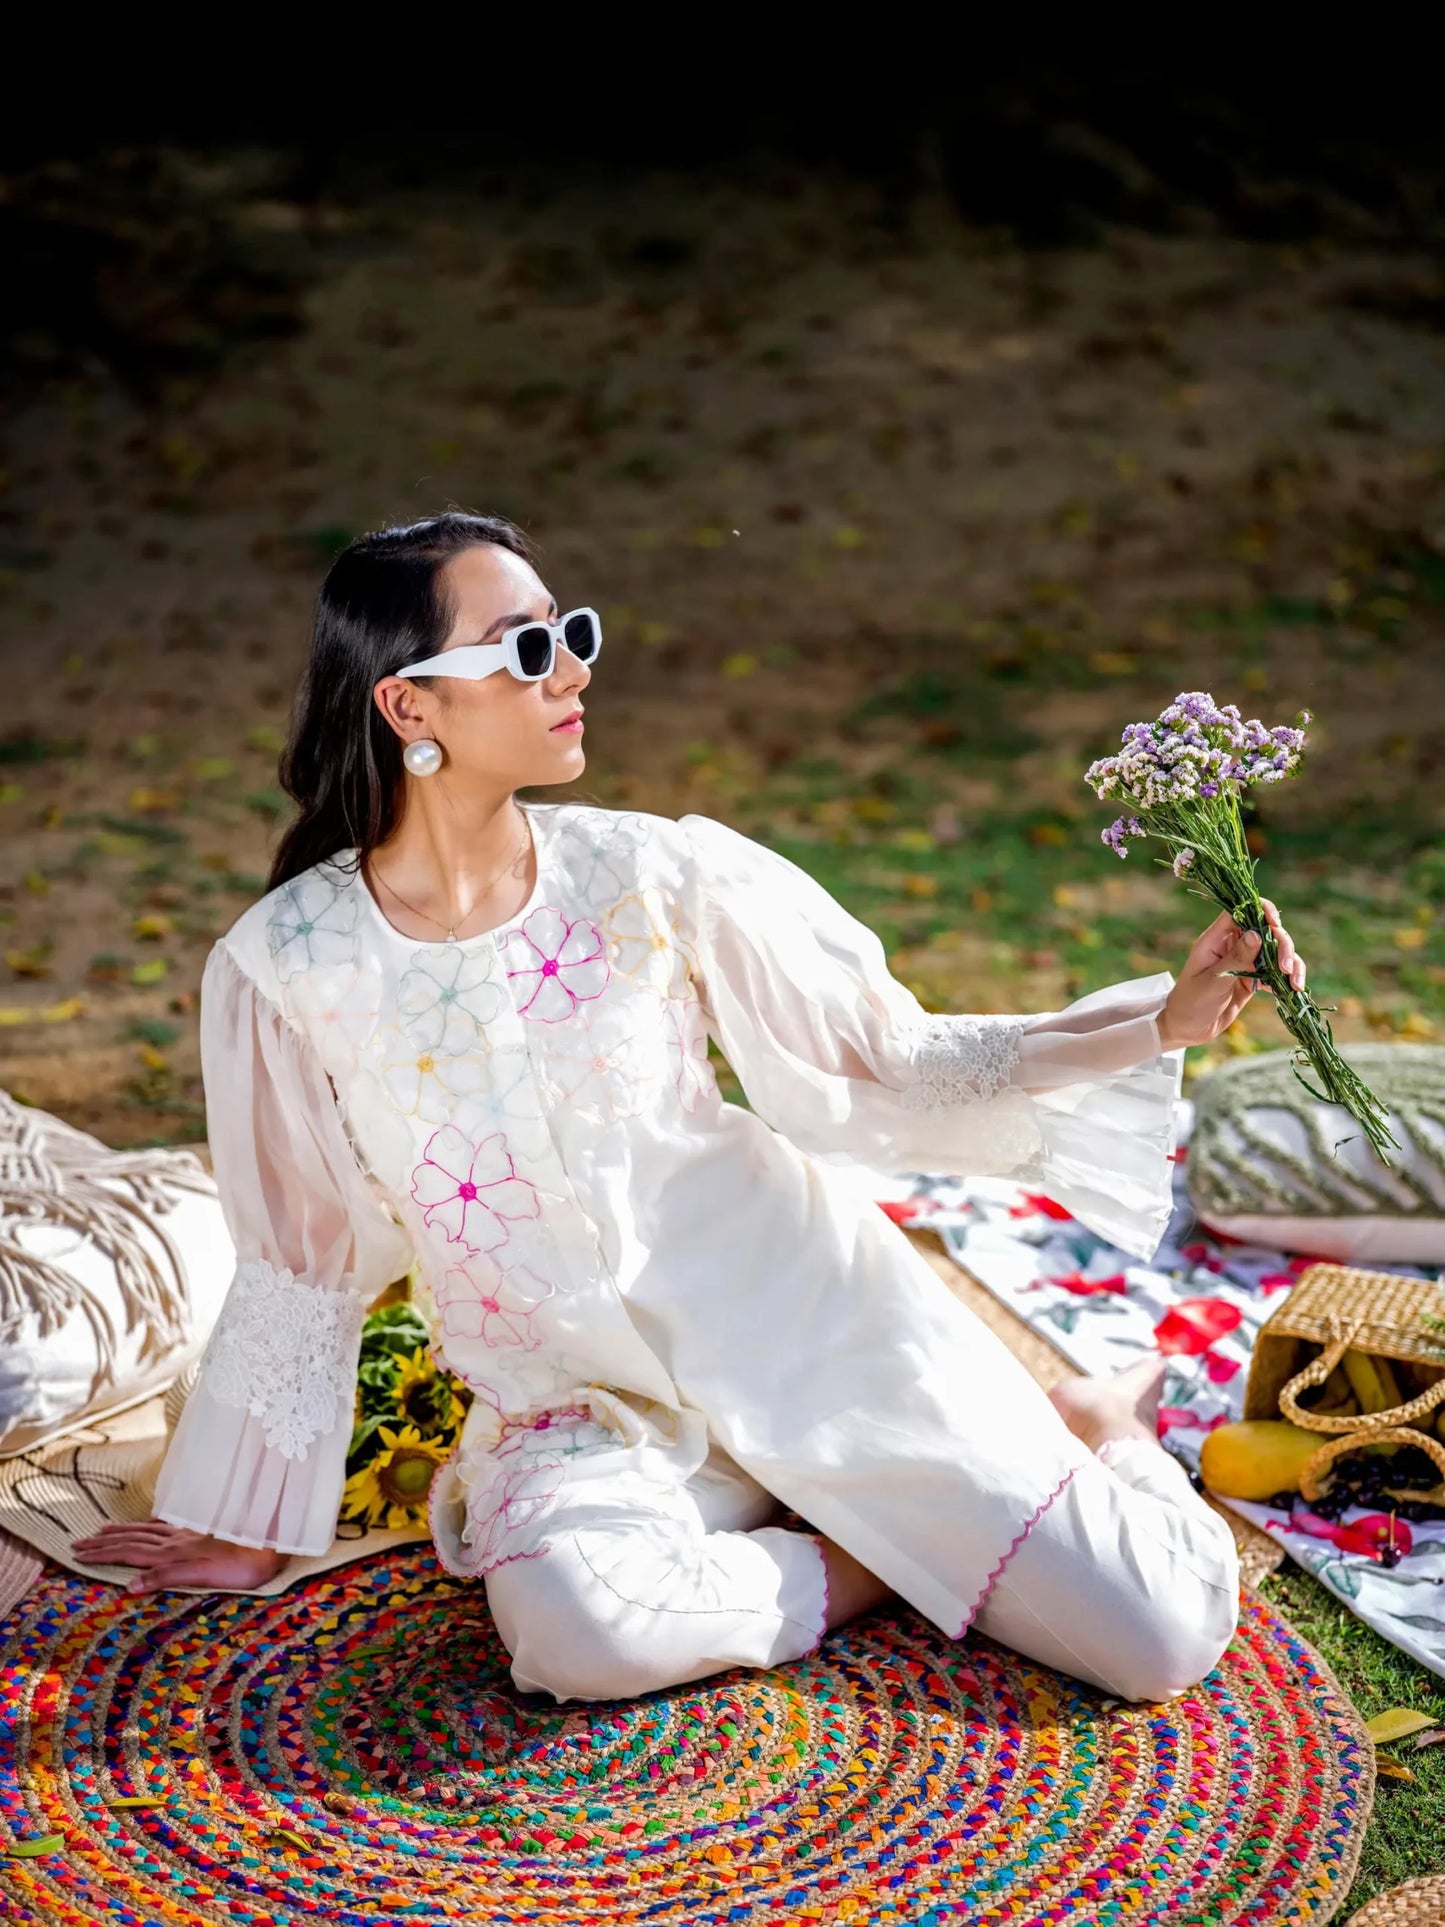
(891, 533)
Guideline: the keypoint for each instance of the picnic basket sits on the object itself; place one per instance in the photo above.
(1330, 1310)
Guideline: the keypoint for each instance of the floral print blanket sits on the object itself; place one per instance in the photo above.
(1200, 1300)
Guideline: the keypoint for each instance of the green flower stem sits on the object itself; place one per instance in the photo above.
(1224, 872)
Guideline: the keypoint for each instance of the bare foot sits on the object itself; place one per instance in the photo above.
(1124, 1406)
(170, 1555)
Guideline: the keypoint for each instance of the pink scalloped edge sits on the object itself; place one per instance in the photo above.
(464, 1572)
(817, 1539)
(1024, 1531)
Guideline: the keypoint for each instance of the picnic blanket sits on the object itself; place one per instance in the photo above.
(1201, 1300)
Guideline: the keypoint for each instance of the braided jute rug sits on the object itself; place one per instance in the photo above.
(352, 1750)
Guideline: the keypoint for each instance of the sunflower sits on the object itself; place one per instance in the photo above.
(423, 1396)
(392, 1490)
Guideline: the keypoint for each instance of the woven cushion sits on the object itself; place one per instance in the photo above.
(113, 1268)
(1271, 1164)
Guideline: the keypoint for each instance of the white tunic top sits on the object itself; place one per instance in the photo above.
(613, 1254)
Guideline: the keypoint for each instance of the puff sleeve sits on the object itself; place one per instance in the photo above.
(258, 1456)
(838, 1056)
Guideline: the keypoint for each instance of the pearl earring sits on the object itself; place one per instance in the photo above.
(423, 757)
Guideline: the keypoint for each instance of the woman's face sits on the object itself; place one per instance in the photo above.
(500, 731)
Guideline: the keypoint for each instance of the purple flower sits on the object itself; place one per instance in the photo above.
(1118, 830)
(1182, 862)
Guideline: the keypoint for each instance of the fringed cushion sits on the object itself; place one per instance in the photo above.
(113, 1267)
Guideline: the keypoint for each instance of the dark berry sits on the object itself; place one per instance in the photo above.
(1390, 1555)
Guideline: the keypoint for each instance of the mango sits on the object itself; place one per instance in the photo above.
(1253, 1458)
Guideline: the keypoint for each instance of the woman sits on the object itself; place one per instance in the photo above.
(474, 1032)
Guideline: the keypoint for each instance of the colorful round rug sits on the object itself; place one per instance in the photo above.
(353, 1751)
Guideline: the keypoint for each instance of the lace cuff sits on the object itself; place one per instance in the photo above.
(960, 1060)
(285, 1352)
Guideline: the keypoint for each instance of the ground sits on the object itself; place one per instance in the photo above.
(892, 525)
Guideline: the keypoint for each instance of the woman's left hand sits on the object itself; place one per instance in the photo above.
(1204, 1001)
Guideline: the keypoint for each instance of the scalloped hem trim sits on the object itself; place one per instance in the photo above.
(477, 1570)
(1023, 1533)
(817, 1539)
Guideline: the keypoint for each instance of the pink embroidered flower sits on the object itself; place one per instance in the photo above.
(471, 1190)
(556, 964)
(687, 1040)
(480, 1301)
(520, 1493)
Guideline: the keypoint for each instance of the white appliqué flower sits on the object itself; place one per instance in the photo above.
(339, 1007)
(687, 1046)
(602, 848)
(312, 924)
(555, 963)
(610, 1069)
(424, 1084)
(478, 1300)
(646, 944)
(469, 1191)
(446, 999)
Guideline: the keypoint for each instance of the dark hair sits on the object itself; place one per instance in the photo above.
(381, 605)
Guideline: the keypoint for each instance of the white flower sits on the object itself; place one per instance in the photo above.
(447, 998)
(312, 923)
(423, 1084)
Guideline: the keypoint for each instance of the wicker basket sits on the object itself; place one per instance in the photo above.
(1331, 1309)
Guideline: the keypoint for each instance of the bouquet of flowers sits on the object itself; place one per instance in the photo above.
(1182, 777)
(408, 1415)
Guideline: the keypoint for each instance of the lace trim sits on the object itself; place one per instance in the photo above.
(962, 1060)
(285, 1352)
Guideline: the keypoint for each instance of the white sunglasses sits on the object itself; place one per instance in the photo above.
(529, 650)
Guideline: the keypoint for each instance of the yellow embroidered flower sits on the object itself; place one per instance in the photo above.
(391, 1491)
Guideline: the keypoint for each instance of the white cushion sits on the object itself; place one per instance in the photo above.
(1270, 1164)
(64, 1198)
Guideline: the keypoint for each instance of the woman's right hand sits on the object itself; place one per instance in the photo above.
(170, 1555)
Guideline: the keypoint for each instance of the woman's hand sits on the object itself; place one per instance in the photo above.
(175, 1556)
(1204, 1001)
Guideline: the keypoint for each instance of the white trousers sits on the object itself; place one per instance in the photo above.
(1129, 1581)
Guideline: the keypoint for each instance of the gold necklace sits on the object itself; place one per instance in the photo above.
(451, 929)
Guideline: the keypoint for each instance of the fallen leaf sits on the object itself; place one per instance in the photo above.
(210, 769)
(28, 1849)
(743, 665)
(42, 1013)
(30, 963)
(1432, 1738)
(154, 1059)
(917, 884)
(152, 926)
(149, 799)
(1395, 1723)
(1409, 937)
(288, 1837)
(136, 1800)
(1392, 1769)
(150, 972)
